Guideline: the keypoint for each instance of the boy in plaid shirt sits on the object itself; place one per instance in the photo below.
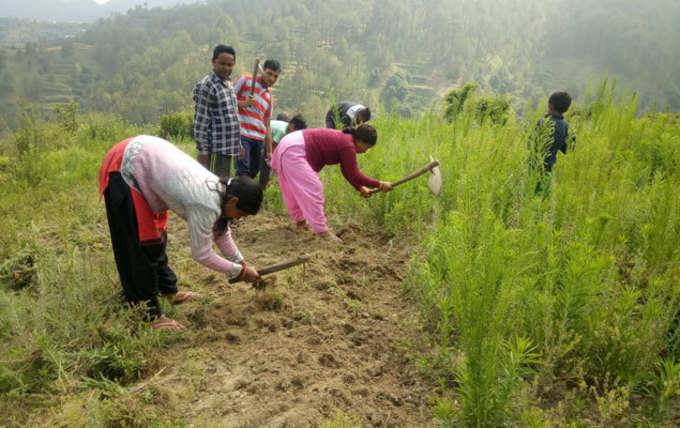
(216, 121)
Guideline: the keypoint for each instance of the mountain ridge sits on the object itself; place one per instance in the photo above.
(76, 10)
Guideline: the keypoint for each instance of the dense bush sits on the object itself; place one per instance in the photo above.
(495, 108)
(177, 125)
(455, 100)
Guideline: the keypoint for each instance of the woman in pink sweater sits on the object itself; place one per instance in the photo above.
(302, 154)
(140, 179)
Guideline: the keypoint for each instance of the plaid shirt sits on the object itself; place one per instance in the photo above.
(216, 122)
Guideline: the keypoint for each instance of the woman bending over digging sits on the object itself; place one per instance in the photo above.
(300, 156)
(141, 178)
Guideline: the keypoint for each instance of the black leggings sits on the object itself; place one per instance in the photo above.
(142, 266)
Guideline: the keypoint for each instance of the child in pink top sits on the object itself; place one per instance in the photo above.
(143, 177)
(302, 154)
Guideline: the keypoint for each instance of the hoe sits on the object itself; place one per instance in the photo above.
(434, 182)
(276, 267)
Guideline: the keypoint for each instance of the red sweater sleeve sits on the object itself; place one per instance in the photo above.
(350, 170)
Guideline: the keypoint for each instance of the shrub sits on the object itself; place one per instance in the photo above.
(455, 100)
(67, 115)
(177, 125)
(491, 107)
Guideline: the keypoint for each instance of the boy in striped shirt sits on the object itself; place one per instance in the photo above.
(255, 113)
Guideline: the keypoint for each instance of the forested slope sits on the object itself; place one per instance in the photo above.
(402, 54)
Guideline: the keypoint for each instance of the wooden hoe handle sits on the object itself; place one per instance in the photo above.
(252, 85)
(410, 177)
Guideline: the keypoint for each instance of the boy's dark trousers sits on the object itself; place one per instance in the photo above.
(252, 162)
(142, 266)
(265, 173)
(218, 164)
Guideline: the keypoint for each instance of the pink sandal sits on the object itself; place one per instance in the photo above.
(164, 323)
(183, 296)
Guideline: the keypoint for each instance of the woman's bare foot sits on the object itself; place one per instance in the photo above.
(301, 225)
(330, 236)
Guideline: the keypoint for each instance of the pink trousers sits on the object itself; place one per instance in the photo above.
(300, 185)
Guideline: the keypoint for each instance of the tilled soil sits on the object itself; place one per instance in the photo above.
(327, 337)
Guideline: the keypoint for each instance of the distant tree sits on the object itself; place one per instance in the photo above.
(396, 88)
(67, 115)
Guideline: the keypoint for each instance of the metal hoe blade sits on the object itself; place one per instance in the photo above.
(434, 182)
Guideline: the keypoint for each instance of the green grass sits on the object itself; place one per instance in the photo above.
(546, 309)
(62, 320)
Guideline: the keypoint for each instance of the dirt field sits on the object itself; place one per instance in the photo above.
(328, 337)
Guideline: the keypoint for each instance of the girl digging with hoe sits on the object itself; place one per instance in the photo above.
(141, 178)
(302, 154)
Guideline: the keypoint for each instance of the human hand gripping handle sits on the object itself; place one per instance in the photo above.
(384, 186)
(271, 269)
(248, 274)
(248, 102)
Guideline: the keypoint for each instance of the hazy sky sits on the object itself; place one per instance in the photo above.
(101, 1)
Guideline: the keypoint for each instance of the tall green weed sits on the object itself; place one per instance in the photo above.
(585, 272)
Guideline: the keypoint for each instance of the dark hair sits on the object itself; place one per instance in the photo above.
(220, 49)
(282, 116)
(363, 132)
(299, 121)
(560, 101)
(249, 197)
(365, 114)
(272, 64)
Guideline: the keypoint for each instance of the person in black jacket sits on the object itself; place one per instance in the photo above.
(350, 114)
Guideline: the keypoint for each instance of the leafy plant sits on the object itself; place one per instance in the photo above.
(177, 125)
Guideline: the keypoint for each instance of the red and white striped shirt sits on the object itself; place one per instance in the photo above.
(252, 118)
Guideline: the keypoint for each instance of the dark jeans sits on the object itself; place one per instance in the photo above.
(142, 267)
(265, 173)
(254, 161)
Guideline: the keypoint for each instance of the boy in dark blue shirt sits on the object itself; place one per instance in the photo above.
(558, 104)
(552, 133)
